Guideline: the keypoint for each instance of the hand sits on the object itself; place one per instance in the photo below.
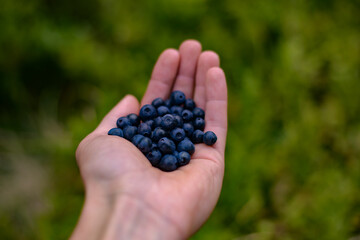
(128, 198)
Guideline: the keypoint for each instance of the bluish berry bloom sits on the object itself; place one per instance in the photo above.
(187, 115)
(136, 139)
(179, 121)
(144, 129)
(189, 129)
(157, 102)
(157, 122)
(166, 145)
(168, 122)
(187, 146)
(189, 104)
(167, 103)
(134, 119)
(148, 112)
(123, 122)
(162, 110)
(198, 112)
(151, 123)
(158, 133)
(197, 136)
(177, 98)
(116, 132)
(177, 110)
(129, 132)
(183, 158)
(154, 156)
(145, 145)
(209, 138)
(199, 123)
(168, 163)
(177, 134)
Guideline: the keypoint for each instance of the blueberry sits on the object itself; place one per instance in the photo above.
(199, 123)
(198, 112)
(148, 112)
(177, 134)
(134, 119)
(183, 158)
(187, 115)
(154, 146)
(177, 98)
(123, 122)
(151, 123)
(144, 129)
(209, 138)
(166, 145)
(157, 121)
(189, 129)
(187, 146)
(167, 103)
(154, 157)
(157, 102)
(197, 136)
(129, 132)
(145, 145)
(116, 132)
(157, 134)
(177, 110)
(179, 121)
(176, 154)
(136, 139)
(168, 163)
(189, 104)
(168, 122)
(162, 110)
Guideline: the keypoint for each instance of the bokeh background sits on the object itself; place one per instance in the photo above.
(293, 148)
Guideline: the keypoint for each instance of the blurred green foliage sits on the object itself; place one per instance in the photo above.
(293, 150)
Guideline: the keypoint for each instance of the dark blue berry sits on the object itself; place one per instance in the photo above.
(187, 146)
(116, 132)
(157, 102)
(154, 146)
(154, 157)
(157, 121)
(189, 129)
(167, 103)
(197, 136)
(187, 115)
(134, 119)
(168, 122)
(179, 121)
(189, 104)
(129, 132)
(176, 154)
(158, 133)
(162, 110)
(209, 138)
(148, 112)
(177, 110)
(123, 122)
(145, 145)
(198, 112)
(183, 158)
(151, 123)
(144, 129)
(136, 139)
(177, 98)
(166, 145)
(199, 123)
(168, 163)
(177, 134)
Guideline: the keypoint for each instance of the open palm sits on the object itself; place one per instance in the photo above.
(183, 198)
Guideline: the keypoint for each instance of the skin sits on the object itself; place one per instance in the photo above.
(127, 198)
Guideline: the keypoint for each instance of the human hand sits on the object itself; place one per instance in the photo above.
(128, 198)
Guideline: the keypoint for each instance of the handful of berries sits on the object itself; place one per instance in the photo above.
(166, 131)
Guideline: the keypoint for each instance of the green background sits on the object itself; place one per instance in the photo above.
(293, 148)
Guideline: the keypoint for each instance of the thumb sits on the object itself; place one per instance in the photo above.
(129, 104)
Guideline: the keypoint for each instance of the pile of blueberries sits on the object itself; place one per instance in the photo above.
(166, 131)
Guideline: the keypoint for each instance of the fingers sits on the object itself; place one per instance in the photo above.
(163, 76)
(189, 53)
(216, 106)
(207, 60)
(129, 104)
